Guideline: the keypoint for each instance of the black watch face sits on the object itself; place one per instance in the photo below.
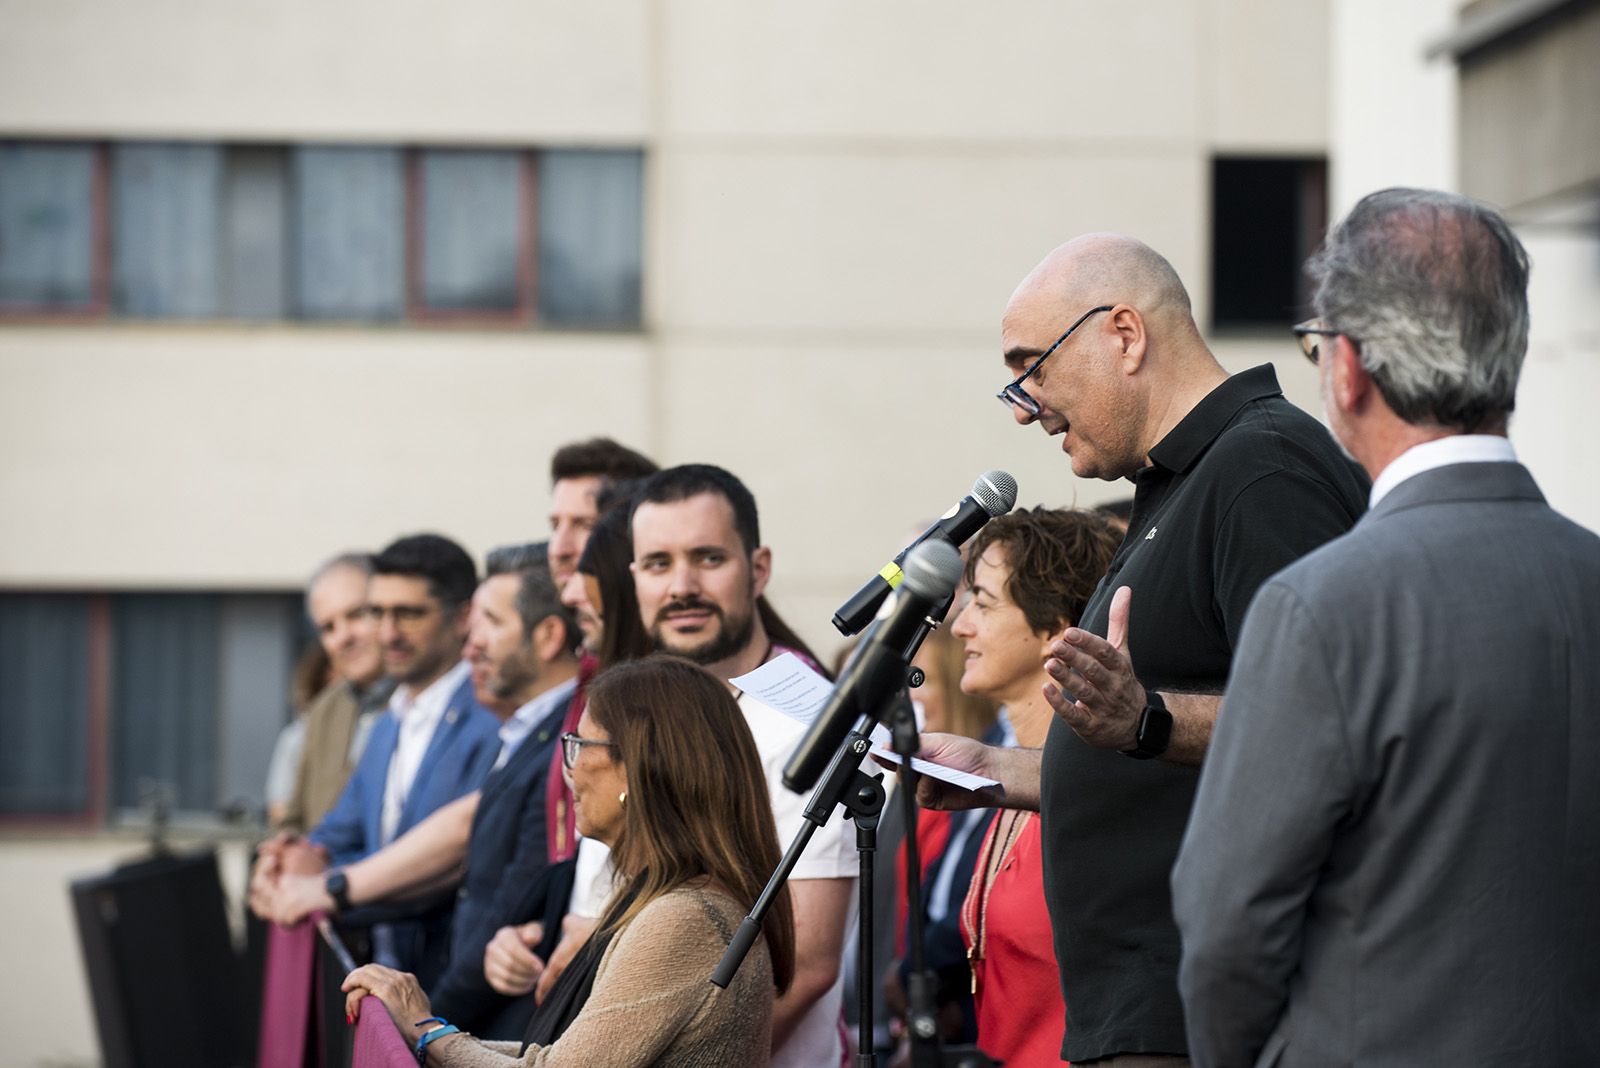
(1155, 730)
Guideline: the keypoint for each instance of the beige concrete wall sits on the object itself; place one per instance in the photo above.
(163, 456)
(478, 71)
(839, 202)
(839, 199)
(1393, 110)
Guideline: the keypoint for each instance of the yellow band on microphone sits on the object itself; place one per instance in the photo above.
(892, 574)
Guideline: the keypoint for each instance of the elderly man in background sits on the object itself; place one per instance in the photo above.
(339, 718)
(1394, 856)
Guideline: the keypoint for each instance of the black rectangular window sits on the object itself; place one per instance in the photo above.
(1267, 216)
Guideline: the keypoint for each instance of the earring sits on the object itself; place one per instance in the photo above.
(622, 798)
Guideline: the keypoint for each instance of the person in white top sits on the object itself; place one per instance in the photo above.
(699, 567)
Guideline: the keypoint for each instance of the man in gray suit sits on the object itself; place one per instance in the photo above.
(1394, 854)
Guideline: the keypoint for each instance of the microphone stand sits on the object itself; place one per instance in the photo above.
(862, 795)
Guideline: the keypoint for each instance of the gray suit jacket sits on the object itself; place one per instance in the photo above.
(1394, 854)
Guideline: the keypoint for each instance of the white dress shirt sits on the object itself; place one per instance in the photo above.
(1455, 449)
(529, 716)
(419, 716)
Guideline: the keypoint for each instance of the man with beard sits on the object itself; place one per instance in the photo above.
(522, 651)
(699, 567)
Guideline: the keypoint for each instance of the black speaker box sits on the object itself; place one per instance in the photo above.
(169, 989)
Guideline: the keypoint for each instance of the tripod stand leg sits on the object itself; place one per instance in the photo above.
(865, 807)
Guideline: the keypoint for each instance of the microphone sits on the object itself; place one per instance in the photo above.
(878, 668)
(994, 494)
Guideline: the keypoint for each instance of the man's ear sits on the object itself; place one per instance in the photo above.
(549, 639)
(760, 570)
(461, 619)
(1353, 387)
(1128, 325)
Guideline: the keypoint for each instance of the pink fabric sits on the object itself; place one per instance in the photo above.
(378, 1042)
(560, 822)
(286, 995)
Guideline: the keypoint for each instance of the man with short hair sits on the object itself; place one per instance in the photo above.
(339, 718)
(1394, 855)
(1231, 482)
(521, 648)
(699, 567)
(579, 472)
(437, 742)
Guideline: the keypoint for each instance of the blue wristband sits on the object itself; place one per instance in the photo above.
(437, 1032)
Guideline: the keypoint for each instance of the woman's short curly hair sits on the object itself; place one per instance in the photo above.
(1056, 556)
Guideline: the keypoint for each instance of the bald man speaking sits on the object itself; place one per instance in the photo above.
(1231, 483)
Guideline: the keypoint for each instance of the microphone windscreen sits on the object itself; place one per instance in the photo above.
(932, 569)
(996, 491)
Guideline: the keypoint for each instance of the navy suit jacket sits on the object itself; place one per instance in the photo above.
(509, 880)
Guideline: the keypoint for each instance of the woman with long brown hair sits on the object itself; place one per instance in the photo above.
(665, 772)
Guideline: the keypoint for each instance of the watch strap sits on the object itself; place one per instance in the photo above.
(337, 884)
(1154, 733)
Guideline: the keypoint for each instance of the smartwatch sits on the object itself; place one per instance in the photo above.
(338, 888)
(1155, 729)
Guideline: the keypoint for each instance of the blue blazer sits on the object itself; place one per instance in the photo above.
(509, 880)
(462, 750)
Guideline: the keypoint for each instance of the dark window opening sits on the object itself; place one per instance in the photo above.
(1268, 216)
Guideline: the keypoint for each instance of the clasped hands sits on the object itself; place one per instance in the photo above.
(286, 883)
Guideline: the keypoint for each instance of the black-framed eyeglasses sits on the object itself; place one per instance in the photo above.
(1309, 331)
(404, 615)
(1014, 395)
(572, 747)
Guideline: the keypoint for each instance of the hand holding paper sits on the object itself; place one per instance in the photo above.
(789, 686)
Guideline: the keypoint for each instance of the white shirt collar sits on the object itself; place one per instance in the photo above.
(1455, 449)
(522, 722)
(430, 702)
(419, 716)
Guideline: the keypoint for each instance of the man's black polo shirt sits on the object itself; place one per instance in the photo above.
(1244, 485)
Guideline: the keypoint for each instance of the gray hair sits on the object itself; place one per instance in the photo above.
(353, 561)
(538, 599)
(508, 558)
(1432, 288)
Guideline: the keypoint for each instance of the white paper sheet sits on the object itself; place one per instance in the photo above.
(786, 684)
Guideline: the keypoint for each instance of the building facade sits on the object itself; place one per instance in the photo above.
(281, 280)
